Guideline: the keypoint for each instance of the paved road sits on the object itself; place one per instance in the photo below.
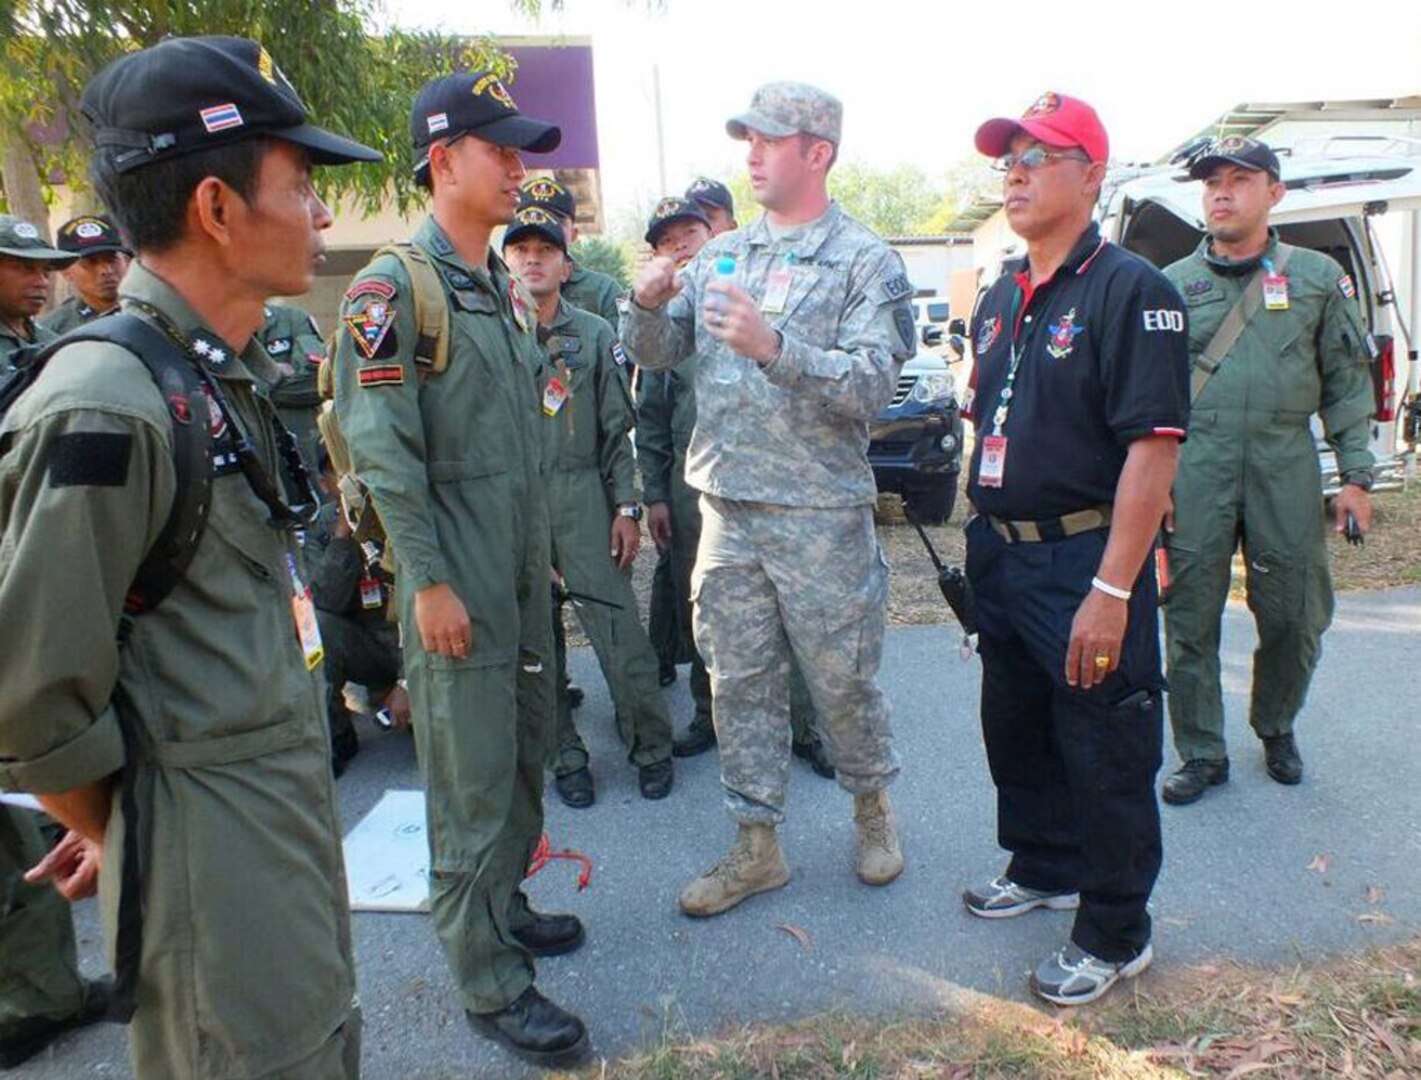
(1236, 880)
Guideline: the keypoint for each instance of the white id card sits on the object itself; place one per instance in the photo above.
(994, 461)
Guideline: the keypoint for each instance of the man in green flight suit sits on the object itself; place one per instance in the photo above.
(666, 403)
(293, 341)
(218, 854)
(41, 992)
(26, 262)
(100, 260)
(1249, 473)
(590, 290)
(453, 461)
(592, 501)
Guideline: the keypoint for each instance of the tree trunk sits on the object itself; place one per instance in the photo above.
(21, 180)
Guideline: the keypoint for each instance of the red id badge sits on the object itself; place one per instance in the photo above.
(1275, 292)
(994, 461)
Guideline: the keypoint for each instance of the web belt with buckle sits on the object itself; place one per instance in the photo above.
(1034, 532)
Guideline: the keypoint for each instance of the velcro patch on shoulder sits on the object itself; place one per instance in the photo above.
(90, 459)
(903, 322)
(1345, 286)
(619, 354)
(381, 375)
(895, 288)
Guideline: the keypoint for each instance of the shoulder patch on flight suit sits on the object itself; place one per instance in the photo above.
(369, 321)
(367, 287)
(380, 375)
(90, 459)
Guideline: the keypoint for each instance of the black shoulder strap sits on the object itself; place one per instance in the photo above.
(180, 382)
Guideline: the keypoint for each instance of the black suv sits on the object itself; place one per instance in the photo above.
(915, 445)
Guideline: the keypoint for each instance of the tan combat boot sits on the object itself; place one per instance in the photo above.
(880, 856)
(752, 865)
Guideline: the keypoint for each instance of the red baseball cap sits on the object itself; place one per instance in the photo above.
(1054, 119)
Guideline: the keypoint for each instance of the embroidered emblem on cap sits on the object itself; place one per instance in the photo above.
(666, 207)
(1063, 335)
(88, 229)
(26, 231)
(1345, 286)
(221, 117)
(1231, 144)
(543, 188)
(437, 122)
(370, 325)
(495, 89)
(265, 67)
(536, 215)
(1045, 105)
(987, 334)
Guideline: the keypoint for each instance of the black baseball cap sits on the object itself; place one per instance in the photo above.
(474, 103)
(548, 193)
(192, 93)
(711, 192)
(535, 221)
(1235, 150)
(672, 209)
(91, 234)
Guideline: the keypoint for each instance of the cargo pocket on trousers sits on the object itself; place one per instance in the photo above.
(1277, 586)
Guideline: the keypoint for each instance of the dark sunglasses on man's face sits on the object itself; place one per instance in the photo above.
(1034, 157)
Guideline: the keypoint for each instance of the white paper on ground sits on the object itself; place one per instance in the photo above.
(387, 856)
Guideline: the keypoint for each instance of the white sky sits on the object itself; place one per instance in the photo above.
(917, 76)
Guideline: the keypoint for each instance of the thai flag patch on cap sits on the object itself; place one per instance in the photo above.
(438, 122)
(221, 117)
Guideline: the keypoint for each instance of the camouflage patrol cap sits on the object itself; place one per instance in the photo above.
(91, 234)
(787, 108)
(22, 240)
(548, 193)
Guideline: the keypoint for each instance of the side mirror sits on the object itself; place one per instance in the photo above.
(931, 336)
(957, 327)
(958, 344)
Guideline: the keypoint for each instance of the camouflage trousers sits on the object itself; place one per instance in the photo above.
(775, 581)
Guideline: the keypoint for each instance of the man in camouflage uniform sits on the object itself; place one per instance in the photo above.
(100, 263)
(453, 462)
(666, 416)
(590, 290)
(293, 341)
(800, 325)
(221, 843)
(41, 992)
(592, 502)
(1249, 473)
(25, 265)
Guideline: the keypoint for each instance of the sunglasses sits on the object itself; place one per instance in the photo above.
(1034, 157)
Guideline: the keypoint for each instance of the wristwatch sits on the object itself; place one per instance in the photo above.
(629, 510)
(1359, 478)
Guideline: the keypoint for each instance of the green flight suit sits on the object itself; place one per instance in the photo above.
(246, 966)
(666, 415)
(74, 312)
(591, 472)
(453, 463)
(1248, 474)
(11, 341)
(594, 291)
(38, 972)
(290, 336)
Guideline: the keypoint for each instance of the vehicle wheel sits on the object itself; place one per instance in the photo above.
(931, 505)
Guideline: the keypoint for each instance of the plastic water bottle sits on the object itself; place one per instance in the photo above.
(726, 367)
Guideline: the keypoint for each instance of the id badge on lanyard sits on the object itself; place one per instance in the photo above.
(1275, 288)
(303, 610)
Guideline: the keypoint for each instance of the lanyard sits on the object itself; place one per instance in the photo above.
(999, 418)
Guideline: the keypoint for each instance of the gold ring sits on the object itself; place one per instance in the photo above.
(1102, 661)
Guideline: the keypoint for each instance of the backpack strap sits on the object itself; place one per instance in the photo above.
(431, 306)
(1233, 324)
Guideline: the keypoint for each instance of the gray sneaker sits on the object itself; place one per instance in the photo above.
(1072, 976)
(1003, 898)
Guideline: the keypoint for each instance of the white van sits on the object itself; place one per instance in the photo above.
(1332, 205)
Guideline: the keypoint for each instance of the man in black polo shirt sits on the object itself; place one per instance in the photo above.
(1081, 400)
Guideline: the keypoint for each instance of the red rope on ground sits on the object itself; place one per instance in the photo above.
(543, 853)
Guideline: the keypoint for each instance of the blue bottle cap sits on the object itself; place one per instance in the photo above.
(725, 265)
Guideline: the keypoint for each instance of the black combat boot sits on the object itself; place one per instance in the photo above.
(536, 1030)
(1285, 764)
(1193, 779)
(699, 738)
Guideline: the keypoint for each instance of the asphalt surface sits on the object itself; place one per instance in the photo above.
(1241, 879)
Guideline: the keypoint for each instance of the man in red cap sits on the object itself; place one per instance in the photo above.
(1082, 398)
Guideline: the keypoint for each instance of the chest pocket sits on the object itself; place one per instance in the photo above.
(1204, 312)
(814, 303)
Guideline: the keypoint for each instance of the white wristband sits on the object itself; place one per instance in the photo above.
(1109, 589)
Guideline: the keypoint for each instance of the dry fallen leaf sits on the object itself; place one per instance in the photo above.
(1375, 894)
(1375, 917)
(799, 933)
(1320, 862)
